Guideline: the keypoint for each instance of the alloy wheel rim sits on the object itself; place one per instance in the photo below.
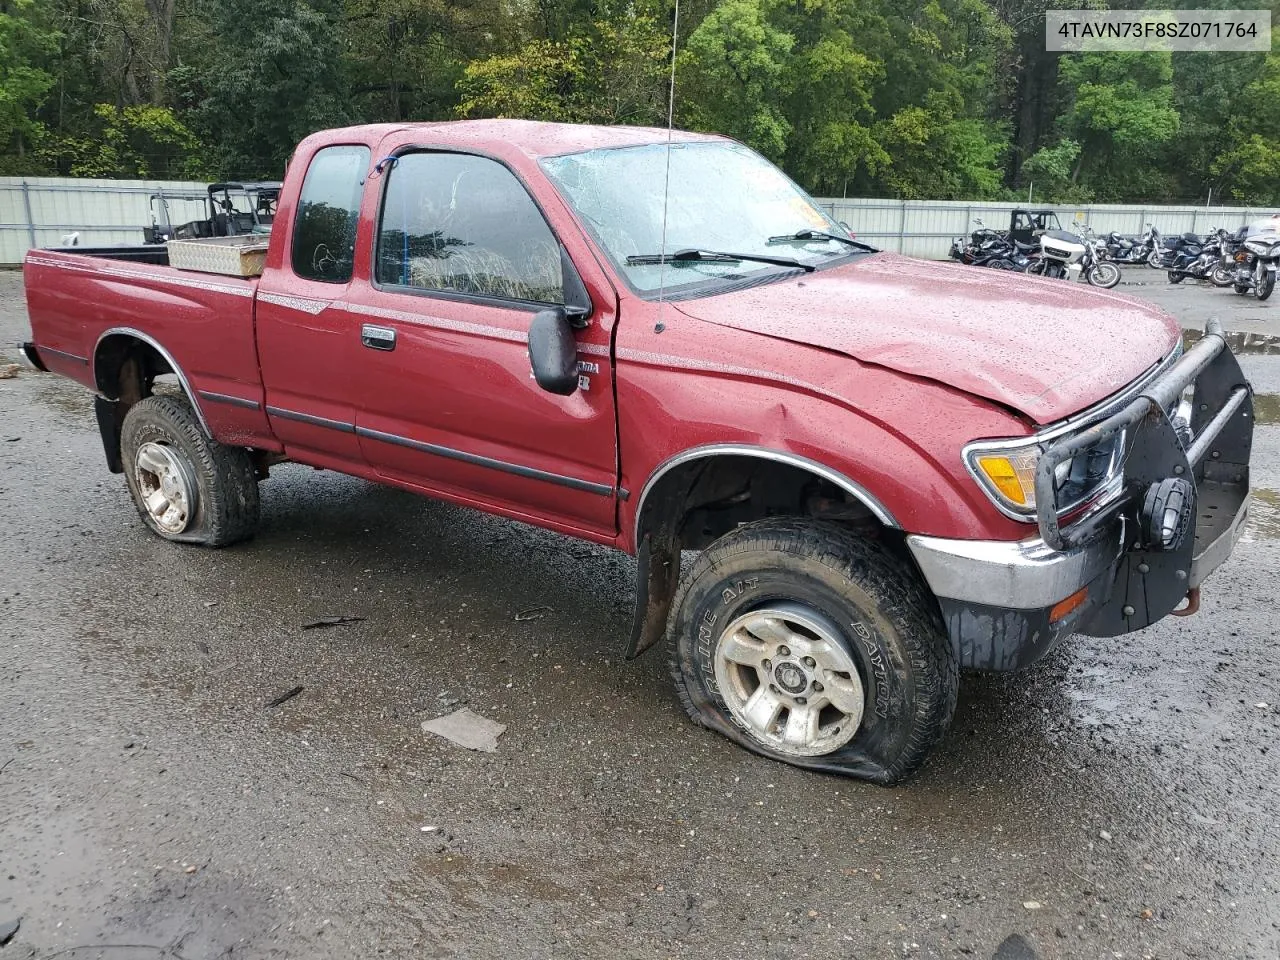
(789, 681)
(166, 486)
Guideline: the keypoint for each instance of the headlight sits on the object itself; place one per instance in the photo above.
(1254, 247)
(1007, 472)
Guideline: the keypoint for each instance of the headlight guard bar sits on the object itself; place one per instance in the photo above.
(1222, 425)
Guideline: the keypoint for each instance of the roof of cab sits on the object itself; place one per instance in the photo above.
(533, 138)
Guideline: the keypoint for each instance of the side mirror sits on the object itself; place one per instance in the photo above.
(553, 353)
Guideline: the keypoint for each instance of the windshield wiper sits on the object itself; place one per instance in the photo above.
(715, 256)
(819, 235)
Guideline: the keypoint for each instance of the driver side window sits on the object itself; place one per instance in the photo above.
(324, 234)
(463, 224)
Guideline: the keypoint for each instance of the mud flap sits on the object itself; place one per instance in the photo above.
(110, 419)
(657, 573)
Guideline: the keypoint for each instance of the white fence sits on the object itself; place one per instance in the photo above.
(925, 228)
(40, 211)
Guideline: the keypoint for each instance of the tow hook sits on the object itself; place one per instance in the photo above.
(1193, 604)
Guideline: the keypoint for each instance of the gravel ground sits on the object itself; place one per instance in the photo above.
(1118, 800)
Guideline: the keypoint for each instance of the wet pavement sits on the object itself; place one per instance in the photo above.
(1118, 800)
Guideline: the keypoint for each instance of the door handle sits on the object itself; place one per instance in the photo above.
(378, 338)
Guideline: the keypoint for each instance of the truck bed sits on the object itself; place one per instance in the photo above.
(82, 299)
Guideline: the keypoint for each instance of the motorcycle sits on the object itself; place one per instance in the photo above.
(1060, 256)
(1256, 265)
(1197, 258)
(1140, 249)
(1096, 270)
(989, 248)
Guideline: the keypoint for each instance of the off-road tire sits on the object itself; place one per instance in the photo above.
(227, 505)
(888, 622)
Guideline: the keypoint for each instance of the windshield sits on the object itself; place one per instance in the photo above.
(723, 197)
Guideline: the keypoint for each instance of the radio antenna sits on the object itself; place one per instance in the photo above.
(666, 181)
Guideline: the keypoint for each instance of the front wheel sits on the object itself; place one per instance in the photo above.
(1262, 289)
(1153, 259)
(808, 644)
(186, 486)
(1105, 275)
(1222, 276)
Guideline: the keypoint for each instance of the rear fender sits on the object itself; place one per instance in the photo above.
(125, 362)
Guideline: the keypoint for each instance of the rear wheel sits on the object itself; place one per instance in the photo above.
(187, 488)
(1175, 277)
(807, 644)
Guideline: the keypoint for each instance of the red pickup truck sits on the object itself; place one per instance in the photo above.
(891, 469)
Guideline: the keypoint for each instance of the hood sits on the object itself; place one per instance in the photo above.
(1047, 348)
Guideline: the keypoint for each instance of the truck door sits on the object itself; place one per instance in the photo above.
(463, 257)
(305, 348)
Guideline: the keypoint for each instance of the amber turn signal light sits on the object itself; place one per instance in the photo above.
(1064, 607)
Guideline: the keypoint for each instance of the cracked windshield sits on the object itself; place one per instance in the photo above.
(723, 199)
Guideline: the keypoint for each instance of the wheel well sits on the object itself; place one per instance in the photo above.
(125, 367)
(694, 503)
(701, 500)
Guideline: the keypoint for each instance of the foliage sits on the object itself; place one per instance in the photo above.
(144, 142)
(1248, 168)
(26, 42)
(923, 98)
(605, 71)
(739, 63)
(264, 76)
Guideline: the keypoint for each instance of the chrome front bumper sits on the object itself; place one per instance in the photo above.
(1021, 575)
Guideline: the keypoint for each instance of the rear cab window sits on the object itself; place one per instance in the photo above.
(324, 233)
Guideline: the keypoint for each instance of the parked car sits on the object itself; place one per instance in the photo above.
(891, 469)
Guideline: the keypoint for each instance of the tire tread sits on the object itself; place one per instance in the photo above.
(895, 586)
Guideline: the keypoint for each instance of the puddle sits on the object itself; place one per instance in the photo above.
(1255, 344)
(1266, 408)
(1264, 515)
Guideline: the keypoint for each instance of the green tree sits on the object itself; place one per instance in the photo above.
(261, 75)
(144, 142)
(26, 40)
(607, 71)
(1248, 168)
(736, 69)
(1121, 113)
